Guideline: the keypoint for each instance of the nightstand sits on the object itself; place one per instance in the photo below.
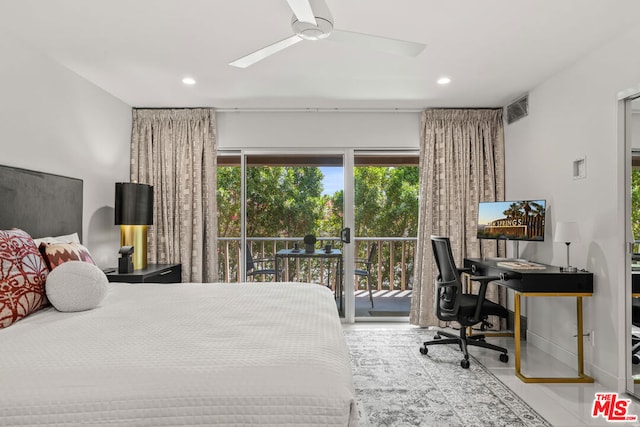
(152, 273)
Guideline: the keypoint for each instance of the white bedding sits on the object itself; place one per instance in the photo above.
(182, 354)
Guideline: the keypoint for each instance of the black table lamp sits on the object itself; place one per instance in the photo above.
(133, 213)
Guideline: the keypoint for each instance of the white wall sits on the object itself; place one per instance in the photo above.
(368, 130)
(575, 114)
(52, 120)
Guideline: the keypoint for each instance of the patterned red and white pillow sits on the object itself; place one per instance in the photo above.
(55, 254)
(23, 273)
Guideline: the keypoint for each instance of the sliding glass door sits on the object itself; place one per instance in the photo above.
(269, 201)
(386, 224)
(286, 197)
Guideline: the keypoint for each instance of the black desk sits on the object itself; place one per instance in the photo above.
(333, 255)
(547, 282)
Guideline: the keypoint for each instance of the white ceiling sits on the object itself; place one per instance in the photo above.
(139, 50)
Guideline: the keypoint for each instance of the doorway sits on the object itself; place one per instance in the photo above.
(632, 290)
(271, 202)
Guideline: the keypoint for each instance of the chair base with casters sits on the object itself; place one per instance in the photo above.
(635, 339)
(467, 309)
(635, 348)
(463, 342)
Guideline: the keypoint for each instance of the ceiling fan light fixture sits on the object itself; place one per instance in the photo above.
(308, 31)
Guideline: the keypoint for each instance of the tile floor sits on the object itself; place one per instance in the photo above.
(563, 405)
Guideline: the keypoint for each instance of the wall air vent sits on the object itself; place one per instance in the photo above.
(518, 109)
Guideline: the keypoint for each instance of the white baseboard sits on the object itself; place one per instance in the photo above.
(606, 379)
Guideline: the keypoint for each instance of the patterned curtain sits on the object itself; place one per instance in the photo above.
(175, 151)
(461, 164)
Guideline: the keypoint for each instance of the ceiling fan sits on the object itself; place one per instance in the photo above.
(312, 20)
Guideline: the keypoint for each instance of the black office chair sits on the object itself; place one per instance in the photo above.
(366, 271)
(454, 305)
(253, 271)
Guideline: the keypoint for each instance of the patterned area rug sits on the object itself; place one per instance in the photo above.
(397, 386)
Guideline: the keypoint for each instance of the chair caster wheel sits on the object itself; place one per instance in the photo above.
(635, 359)
(465, 363)
(504, 357)
(437, 337)
(424, 350)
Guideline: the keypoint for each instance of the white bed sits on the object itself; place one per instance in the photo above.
(182, 354)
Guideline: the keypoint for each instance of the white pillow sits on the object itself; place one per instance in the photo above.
(69, 238)
(76, 286)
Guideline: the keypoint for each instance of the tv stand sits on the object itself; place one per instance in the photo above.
(516, 249)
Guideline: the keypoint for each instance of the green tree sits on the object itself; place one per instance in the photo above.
(635, 203)
(386, 200)
(369, 199)
(513, 210)
(228, 198)
(283, 201)
(400, 210)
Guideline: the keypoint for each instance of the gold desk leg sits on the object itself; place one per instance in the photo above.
(581, 378)
(516, 332)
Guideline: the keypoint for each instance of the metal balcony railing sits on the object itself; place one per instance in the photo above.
(392, 268)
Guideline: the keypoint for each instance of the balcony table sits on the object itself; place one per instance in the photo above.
(321, 254)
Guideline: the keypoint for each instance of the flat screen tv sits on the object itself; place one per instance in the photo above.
(512, 220)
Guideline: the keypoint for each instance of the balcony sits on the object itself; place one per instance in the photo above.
(391, 272)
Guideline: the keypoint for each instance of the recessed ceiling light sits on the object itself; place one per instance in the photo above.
(189, 81)
(444, 80)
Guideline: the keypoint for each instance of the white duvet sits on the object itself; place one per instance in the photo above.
(182, 354)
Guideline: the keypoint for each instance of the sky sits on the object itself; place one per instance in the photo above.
(333, 179)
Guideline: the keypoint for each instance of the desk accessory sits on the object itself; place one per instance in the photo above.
(125, 262)
(567, 232)
(309, 243)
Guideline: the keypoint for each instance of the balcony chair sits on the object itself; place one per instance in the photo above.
(253, 271)
(452, 305)
(366, 271)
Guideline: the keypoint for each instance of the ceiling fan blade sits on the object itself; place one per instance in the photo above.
(302, 10)
(261, 54)
(383, 44)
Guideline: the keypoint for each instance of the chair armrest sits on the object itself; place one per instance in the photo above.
(464, 270)
(484, 281)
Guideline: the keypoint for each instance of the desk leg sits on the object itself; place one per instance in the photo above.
(581, 378)
(516, 332)
(580, 336)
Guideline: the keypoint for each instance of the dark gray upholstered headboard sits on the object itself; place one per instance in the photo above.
(42, 204)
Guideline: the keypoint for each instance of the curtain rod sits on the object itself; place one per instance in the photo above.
(318, 110)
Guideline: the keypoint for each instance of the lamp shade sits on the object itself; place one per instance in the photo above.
(567, 232)
(134, 204)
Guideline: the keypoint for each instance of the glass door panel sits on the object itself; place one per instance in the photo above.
(229, 199)
(386, 223)
(288, 197)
